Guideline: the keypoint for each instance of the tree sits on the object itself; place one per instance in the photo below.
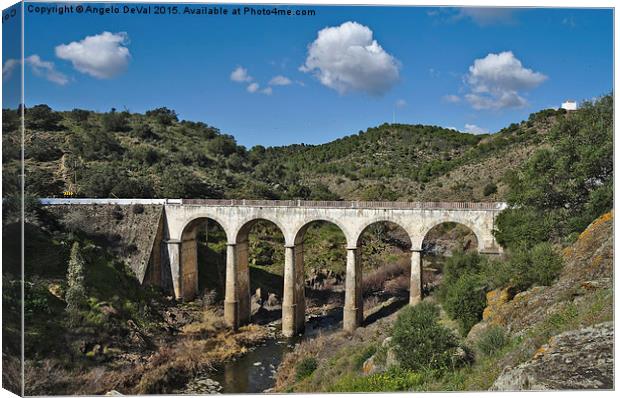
(164, 116)
(76, 288)
(42, 117)
(561, 189)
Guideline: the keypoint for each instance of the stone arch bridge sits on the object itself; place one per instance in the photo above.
(182, 218)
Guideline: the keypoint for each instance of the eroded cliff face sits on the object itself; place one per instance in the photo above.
(130, 232)
(566, 328)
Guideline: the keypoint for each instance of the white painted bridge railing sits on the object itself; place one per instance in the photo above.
(285, 203)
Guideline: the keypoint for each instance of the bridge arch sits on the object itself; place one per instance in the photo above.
(375, 221)
(299, 232)
(186, 283)
(243, 227)
(481, 236)
(238, 288)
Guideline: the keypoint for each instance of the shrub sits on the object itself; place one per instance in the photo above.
(458, 265)
(421, 342)
(305, 368)
(465, 300)
(76, 290)
(489, 189)
(492, 340)
(538, 266)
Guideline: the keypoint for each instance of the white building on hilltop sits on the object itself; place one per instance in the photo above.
(569, 105)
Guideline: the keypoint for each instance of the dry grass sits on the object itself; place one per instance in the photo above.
(376, 280)
(171, 367)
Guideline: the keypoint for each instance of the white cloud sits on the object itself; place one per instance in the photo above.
(346, 58)
(485, 16)
(46, 70)
(102, 56)
(496, 81)
(280, 81)
(253, 87)
(472, 128)
(267, 91)
(451, 98)
(8, 68)
(240, 75)
(401, 103)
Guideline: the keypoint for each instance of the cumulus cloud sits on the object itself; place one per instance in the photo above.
(451, 98)
(253, 87)
(280, 81)
(8, 68)
(485, 16)
(267, 91)
(240, 75)
(496, 81)
(472, 128)
(102, 56)
(46, 70)
(346, 58)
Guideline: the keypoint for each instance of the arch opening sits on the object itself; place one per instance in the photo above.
(320, 259)
(260, 256)
(203, 261)
(385, 257)
(440, 243)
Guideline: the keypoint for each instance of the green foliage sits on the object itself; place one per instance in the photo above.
(392, 380)
(305, 368)
(540, 265)
(561, 189)
(421, 342)
(76, 290)
(492, 340)
(42, 117)
(163, 116)
(179, 182)
(115, 121)
(458, 265)
(465, 301)
(378, 192)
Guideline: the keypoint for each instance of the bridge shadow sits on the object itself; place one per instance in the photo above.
(385, 309)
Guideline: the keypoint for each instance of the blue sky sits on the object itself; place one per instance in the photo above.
(470, 69)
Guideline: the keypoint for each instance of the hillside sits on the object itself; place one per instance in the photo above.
(123, 154)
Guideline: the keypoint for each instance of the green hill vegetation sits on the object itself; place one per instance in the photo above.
(123, 154)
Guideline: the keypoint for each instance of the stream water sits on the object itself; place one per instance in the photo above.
(255, 371)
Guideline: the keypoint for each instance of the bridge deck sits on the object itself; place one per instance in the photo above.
(332, 204)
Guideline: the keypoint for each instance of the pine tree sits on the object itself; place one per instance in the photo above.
(76, 291)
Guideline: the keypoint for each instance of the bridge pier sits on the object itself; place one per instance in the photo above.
(293, 300)
(237, 294)
(353, 313)
(173, 247)
(415, 289)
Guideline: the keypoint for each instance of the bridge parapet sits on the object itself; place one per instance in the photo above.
(339, 204)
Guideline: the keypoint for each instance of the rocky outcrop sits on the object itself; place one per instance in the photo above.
(579, 359)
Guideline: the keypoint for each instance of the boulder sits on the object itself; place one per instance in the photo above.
(578, 359)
